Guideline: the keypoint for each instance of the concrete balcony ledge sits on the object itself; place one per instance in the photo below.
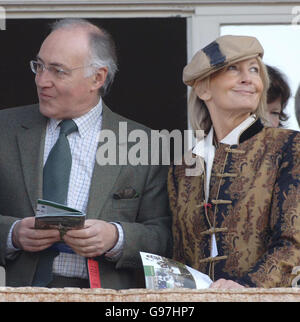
(40, 294)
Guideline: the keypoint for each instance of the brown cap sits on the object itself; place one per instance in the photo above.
(225, 50)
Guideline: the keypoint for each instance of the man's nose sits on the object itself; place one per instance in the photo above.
(43, 79)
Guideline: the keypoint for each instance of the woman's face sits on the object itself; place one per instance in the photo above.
(237, 88)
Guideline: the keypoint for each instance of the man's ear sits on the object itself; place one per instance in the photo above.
(202, 90)
(98, 79)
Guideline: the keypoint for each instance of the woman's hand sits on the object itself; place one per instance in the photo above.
(226, 284)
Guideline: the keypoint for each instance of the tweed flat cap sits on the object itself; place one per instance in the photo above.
(225, 50)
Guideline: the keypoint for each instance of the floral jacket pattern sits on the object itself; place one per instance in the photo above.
(253, 210)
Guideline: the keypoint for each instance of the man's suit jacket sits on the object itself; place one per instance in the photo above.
(145, 218)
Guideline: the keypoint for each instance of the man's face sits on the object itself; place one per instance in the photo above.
(71, 94)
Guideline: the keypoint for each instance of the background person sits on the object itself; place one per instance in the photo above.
(126, 206)
(237, 220)
(297, 105)
(278, 96)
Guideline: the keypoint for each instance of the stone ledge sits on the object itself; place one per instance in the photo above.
(40, 294)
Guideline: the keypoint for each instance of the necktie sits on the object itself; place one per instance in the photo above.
(58, 166)
(56, 177)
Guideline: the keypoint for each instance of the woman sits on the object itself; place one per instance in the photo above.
(238, 219)
(278, 96)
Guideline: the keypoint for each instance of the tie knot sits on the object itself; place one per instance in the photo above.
(67, 127)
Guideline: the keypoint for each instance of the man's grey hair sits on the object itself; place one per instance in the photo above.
(102, 49)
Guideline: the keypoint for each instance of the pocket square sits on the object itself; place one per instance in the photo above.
(127, 193)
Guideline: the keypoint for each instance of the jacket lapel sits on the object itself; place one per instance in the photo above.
(104, 177)
(30, 138)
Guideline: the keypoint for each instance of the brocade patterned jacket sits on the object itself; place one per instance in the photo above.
(253, 209)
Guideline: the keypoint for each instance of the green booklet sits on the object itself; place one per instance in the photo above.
(52, 215)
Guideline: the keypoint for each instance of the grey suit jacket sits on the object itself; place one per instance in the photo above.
(145, 219)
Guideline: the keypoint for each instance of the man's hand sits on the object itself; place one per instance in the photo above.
(226, 284)
(25, 237)
(96, 238)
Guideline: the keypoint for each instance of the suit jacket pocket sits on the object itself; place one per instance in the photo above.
(126, 203)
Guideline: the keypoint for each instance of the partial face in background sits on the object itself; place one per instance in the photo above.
(273, 112)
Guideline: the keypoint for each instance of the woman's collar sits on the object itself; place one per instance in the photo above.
(232, 138)
(243, 131)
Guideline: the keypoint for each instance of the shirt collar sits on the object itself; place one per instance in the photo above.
(231, 139)
(84, 122)
(204, 144)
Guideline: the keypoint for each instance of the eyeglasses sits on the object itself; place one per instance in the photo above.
(56, 71)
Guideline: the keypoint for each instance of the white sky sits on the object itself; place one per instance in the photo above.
(281, 44)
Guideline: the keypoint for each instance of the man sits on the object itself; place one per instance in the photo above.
(74, 67)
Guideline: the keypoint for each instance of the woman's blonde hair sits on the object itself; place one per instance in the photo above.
(197, 110)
